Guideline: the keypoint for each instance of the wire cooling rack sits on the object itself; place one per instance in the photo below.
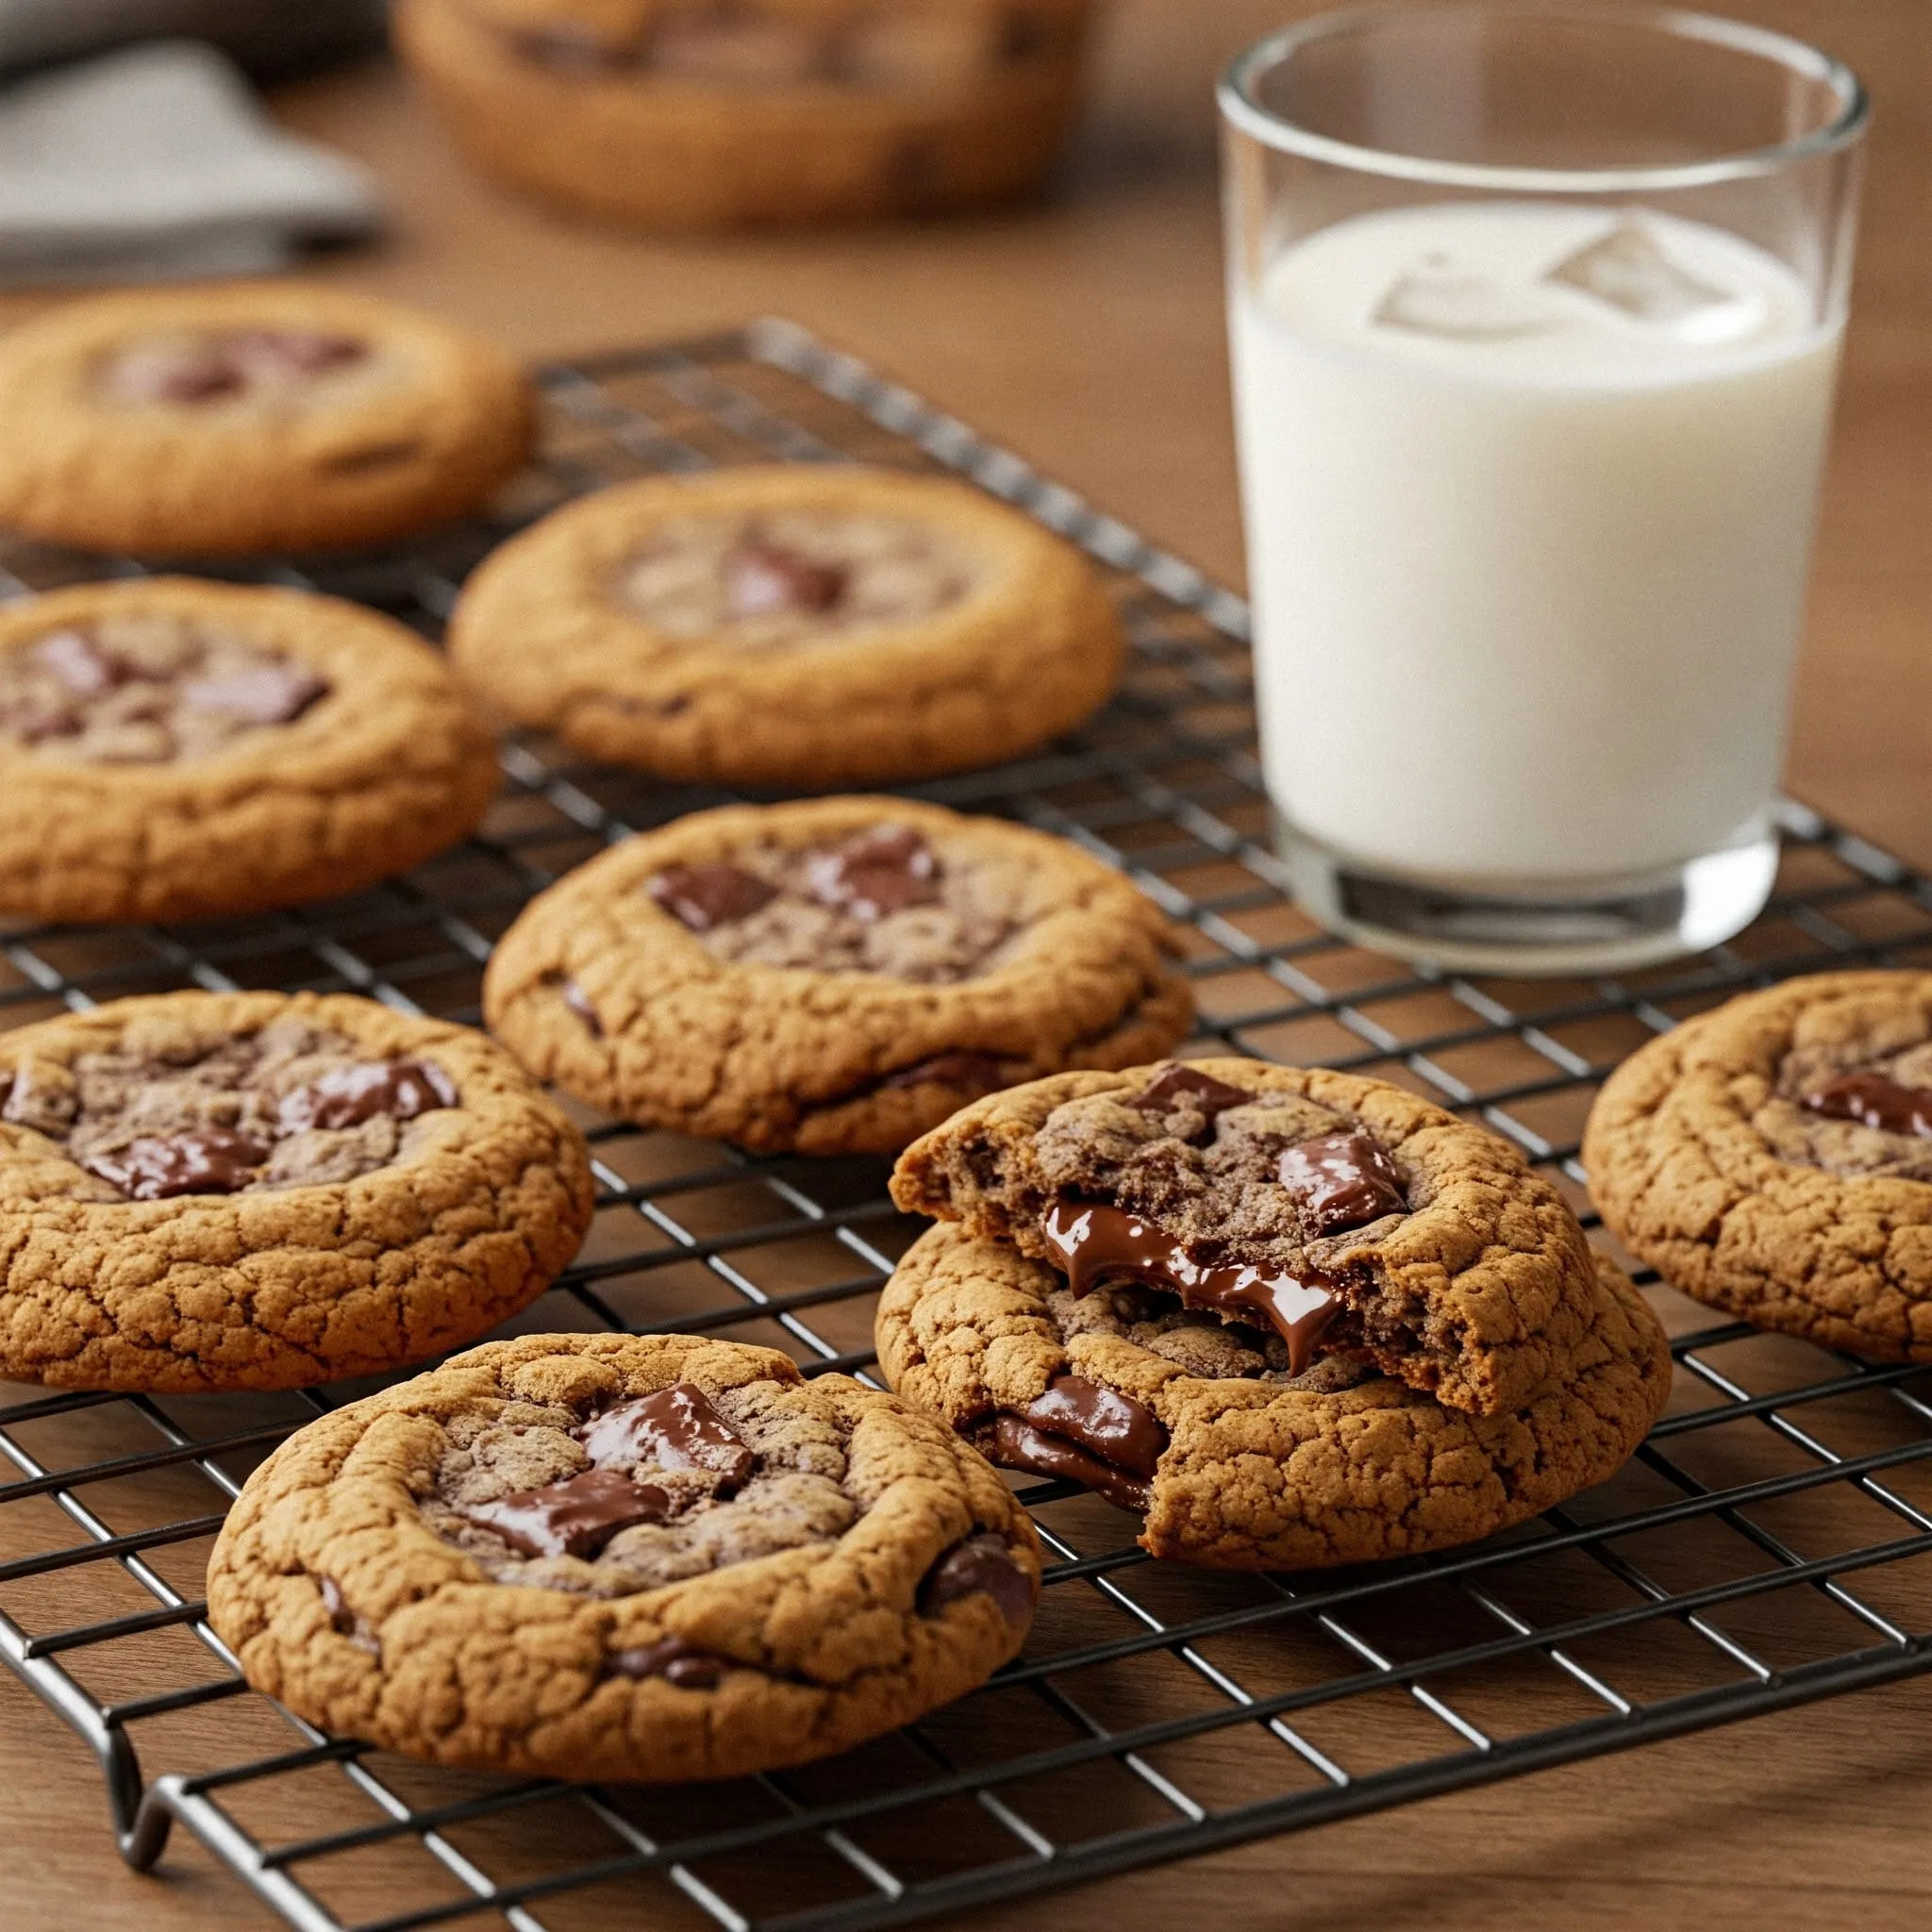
(1771, 1543)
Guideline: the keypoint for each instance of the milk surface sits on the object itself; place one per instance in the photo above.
(1529, 492)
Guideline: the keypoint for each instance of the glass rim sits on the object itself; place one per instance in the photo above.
(1242, 109)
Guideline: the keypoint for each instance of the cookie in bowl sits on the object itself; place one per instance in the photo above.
(172, 748)
(615, 1556)
(831, 976)
(798, 627)
(684, 114)
(1773, 1158)
(245, 419)
(265, 1191)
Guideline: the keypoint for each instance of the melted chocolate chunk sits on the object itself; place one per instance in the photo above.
(981, 1565)
(1341, 1180)
(271, 693)
(350, 1095)
(575, 1518)
(761, 579)
(209, 1160)
(1873, 1100)
(979, 1071)
(1096, 1242)
(675, 1661)
(675, 1428)
(1114, 1426)
(80, 663)
(704, 897)
(1020, 1445)
(879, 873)
(578, 1001)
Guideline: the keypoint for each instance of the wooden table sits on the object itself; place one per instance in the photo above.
(1088, 336)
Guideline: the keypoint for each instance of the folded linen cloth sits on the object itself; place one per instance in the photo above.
(155, 163)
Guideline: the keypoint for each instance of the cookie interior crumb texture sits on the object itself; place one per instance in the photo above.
(259, 1191)
(801, 627)
(831, 976)
(1773, 1158)
(248, 418)
(616, 1557)
(172, 748)
(1337, 1210)
(1202, 1427)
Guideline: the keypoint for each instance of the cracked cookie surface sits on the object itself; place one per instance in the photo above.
(614, 1556)
(831, 976)
(801, 627)
(260, 1190)
(1349, 1213)
(249, 418)
(172, 748)
(1773, 1158)
(690, 115)
(1233, 1461)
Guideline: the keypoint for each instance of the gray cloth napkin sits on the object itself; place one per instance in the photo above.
(157, 163)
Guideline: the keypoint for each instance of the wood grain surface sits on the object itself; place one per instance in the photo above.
(1088, 335)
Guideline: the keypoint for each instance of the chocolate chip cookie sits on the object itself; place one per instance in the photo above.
(1204, 1421)
(263, 1191)
(231, 420)
(1773, 1158)
(686, 115)
(610, 1557)
(1342, 1215)
(831, 976)
(171, 748)
(800, 627)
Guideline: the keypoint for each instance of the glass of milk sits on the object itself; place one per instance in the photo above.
(1535, 312)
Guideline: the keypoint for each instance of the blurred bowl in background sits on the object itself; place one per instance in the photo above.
(691, 114)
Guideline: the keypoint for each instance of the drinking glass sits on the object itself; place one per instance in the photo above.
(1536, 311)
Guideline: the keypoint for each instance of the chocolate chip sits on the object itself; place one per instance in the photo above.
(206, 1160)
(279, 353)
(1873, 1100)
(340, 1615)
(575, 1518)
(1341, 1181)
(763, 579)
(173, 373)
(978, 1073)
(673, 1429)
(347, 1096)
(578, 1001)
(80, 663)
(571, 49)
(982, 1565)
(675, 1661)
(271, 694)
(1184, 1085)
(705, 896)
(879, 873)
